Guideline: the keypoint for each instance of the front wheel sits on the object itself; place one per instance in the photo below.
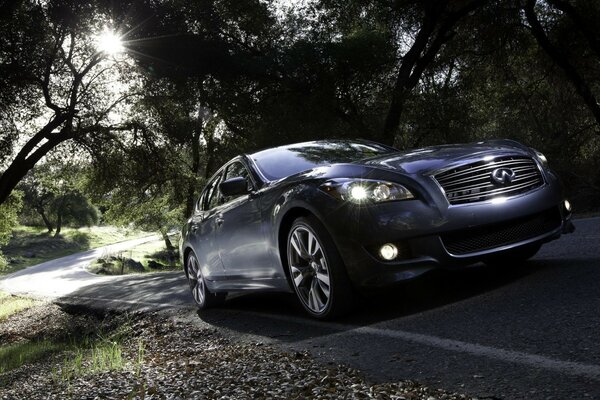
(316, 270)
(202, 296)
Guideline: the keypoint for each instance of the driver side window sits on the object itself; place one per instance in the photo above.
(211, 198)
(235, 170)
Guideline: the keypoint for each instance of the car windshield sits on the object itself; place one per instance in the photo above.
(284, 161)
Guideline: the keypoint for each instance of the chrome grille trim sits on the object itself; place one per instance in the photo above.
(472, 182)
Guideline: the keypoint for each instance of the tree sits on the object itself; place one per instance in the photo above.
(72, 206)
(439, 19)
(54, 190)
(60, 83)
(37, 197)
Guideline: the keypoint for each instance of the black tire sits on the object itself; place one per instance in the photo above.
(511, 259)
(316, 271)
(203, 297)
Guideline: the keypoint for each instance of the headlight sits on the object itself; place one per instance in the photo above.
(541, 158)
(366, 190)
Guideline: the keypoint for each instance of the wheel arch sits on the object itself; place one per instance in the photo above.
(284, 228)
(186, 252)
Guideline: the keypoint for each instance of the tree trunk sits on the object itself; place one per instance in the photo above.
(581, 86)
(47, 222)
(210, 148)
(58, 225)
(168, 244)
(436, 29)
(30, 155)
(191, 192)
(402, 86)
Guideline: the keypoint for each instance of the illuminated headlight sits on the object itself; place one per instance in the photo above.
(388, 251)
(567, 206)
(366, 190)
(357, 192)
(541, 158)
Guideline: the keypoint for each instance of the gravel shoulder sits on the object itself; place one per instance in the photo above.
(182, 358)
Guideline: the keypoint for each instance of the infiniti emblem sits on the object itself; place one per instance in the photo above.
(503, 176)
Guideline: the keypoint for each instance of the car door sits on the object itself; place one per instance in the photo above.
(203, 228)
(240, 232)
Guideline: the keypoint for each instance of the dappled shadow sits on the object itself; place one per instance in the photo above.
(135, 292)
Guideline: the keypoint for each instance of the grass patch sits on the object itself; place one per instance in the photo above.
(102, 347)
(33, 245)
(14, 355)
(103, 353)
(87, 359)
(147, 257)
(10, 305)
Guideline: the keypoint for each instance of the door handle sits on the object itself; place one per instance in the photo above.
(219, 220)
(194, 228)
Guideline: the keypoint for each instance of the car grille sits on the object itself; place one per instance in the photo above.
(497, 235)
(473, 182)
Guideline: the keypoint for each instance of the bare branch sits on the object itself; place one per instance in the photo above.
(45, 81)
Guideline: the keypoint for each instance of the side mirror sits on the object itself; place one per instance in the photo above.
(234, 186)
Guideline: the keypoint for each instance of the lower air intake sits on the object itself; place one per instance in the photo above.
(502, 234)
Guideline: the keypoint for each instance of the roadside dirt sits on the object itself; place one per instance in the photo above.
(168, 357)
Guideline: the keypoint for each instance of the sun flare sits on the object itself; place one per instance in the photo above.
(110, 42)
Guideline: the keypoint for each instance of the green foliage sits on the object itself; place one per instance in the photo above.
(53, 192)
(269, 75)
(8, 216)
(8, 220)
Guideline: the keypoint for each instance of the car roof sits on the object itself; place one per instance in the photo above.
(323, 142)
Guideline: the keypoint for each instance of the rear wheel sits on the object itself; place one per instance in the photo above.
(202, 296)
(316, 270)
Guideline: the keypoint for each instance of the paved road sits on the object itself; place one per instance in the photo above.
(66, 275)
(529, 333)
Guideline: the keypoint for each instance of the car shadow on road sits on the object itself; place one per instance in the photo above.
(430, 291)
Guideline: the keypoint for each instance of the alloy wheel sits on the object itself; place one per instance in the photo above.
(196, 280)
(309, 270)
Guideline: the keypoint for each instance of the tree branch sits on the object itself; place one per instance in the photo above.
(581, 86)
(580, 23)
(421, 54)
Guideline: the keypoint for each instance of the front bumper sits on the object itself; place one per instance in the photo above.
(437, 235)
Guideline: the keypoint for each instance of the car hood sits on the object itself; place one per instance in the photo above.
(430, 160)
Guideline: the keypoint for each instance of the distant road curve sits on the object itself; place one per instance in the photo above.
(63, 276)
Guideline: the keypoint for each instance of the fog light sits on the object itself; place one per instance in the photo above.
(388, 251)
(567, 206)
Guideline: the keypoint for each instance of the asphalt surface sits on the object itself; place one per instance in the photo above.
(531, 331)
